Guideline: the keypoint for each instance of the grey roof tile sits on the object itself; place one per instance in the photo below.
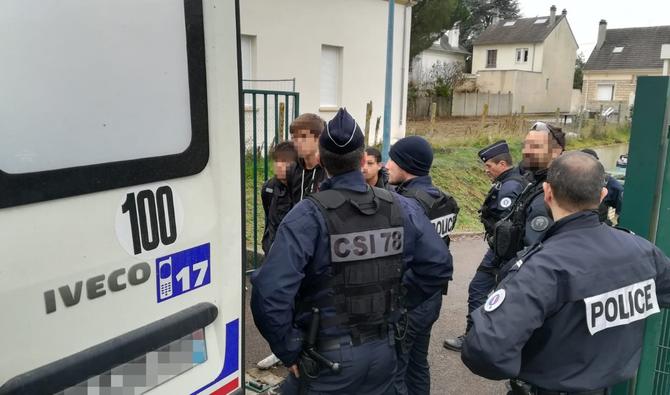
(641, 49)
(524, 30)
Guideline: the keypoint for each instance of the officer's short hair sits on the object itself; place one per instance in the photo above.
(312, 122)
(507, 157)
(336, 164)
(576, 181)
(372, 151)
(556, 135)
(284, 152)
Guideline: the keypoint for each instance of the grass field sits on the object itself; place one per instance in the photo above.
(456, 167)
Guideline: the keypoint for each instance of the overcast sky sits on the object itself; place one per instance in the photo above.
(584, 15)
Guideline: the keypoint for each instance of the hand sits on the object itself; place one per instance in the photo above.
(294, 369)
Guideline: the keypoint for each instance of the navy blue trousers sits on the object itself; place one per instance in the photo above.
(413, 375)
(482, 284)
(366, 369)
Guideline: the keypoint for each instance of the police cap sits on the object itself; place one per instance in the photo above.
(342, 134)
(494, 150)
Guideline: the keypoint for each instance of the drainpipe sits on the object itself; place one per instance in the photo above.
(386, 143)
(403, 82)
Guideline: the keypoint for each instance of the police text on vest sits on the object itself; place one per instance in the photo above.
(366, 245)
(444, 225)
(621, 306)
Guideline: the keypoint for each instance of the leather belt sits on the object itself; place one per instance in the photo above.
(335, 343)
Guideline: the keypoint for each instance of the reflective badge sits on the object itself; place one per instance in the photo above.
(495, 300)
(444, 225)
(366, 245)
(539, 224)
(506, 202)
(621, 306)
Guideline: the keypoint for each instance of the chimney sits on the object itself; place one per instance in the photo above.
(552, 15)
(602, 31)
(495, 20)
(454, 34)
(564, 13)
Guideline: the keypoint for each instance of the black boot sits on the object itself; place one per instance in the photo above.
(455, 344)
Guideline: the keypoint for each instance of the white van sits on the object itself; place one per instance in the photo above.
(121, 199)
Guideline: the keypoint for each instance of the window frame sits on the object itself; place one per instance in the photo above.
(522, 55)
(612, 85)
(489, 64)
(338, 75)
(34, 187)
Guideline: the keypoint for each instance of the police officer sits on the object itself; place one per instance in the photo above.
(614, 196)
(507, 185)
(411, 159)
(342, 251)
(528, 219)
(569, 316)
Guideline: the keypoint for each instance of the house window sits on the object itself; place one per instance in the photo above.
(617, 50)
(331, 75)
(509, 23)
(522, 55)
(540, 21)
(247, 49)
(491, 58)
(606, 92)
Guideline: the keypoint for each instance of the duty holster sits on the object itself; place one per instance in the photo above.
(507, 239)
(311, 361)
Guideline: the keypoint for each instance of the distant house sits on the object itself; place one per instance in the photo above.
(620, 56)
(445, 50)
(533, 58)
(335, 51)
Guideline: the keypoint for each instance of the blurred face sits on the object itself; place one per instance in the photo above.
(493, 170)
(281, 168)
(396, 174)
(305, 143)
(371, 167)
(537, 151)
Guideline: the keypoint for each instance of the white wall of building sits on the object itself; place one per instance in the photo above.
(506, 59)
(424, 62)
(543, 84)
(287, 41)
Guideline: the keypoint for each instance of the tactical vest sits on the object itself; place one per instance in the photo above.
(489, 217)
(442, 210)
(366, 236)
(509, 232)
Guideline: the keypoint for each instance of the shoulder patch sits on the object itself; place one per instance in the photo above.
(540, 223)
(495, 300)
(505, 202)
(269, 190)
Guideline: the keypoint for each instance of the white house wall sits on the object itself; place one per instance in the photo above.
(559, 67)
(288, 39)
(544, 84)
(424, 62)
(507, 57)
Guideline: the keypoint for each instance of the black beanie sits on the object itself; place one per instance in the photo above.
(413, 154)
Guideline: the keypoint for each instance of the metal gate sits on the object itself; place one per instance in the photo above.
(645, 212)
(267, 116)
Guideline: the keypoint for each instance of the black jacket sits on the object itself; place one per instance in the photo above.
(569, 316)
(276, 204)
(304, 182)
